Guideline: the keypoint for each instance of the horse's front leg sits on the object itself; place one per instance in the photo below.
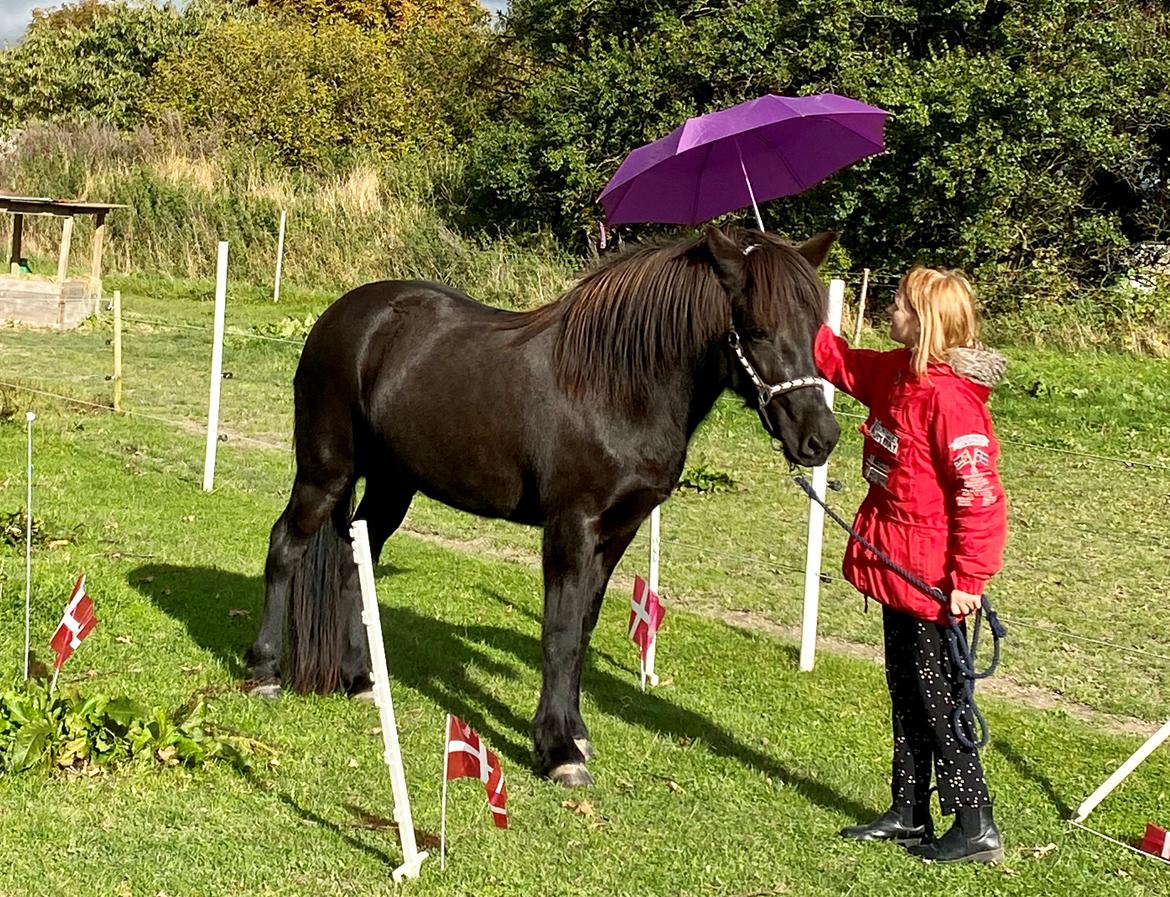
(573, 573)
(612, 550)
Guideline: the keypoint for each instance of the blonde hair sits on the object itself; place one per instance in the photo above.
(944, 301)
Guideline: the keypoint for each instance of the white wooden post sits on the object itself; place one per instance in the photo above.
(816, 515)
(29, 417)
(1122, 771)
(216, 368)
(648, 674)
(279, 257)
(391, 753)
(861, 306)
(117, 350)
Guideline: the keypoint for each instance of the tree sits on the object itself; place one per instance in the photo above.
(1024, 136)
(91, 60)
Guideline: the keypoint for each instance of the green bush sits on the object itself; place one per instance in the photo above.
(314, 95)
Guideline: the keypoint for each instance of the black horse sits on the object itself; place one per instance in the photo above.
(574, 417)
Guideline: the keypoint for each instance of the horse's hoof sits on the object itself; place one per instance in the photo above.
(269, 689)
(585, 746)
(572, 775)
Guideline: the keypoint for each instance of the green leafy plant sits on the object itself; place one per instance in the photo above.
(703, 479)
(70, 731)
(13, 526)
(288, 327)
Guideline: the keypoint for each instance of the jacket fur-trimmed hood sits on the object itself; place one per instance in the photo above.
(979, 365)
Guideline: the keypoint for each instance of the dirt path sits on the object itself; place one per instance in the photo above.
(999, 686)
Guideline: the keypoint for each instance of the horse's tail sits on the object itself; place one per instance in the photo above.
(319, 612)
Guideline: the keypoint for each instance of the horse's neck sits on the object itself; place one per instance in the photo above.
(708, 383)
(687, 394)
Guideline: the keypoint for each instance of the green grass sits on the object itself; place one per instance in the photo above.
(769, 762)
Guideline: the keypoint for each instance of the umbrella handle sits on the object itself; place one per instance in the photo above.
(748, 181)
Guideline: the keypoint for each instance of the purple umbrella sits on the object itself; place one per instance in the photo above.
(726, 160)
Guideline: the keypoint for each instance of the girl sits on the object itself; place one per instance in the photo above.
(936, 507)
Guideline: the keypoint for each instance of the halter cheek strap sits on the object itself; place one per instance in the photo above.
(766, 392)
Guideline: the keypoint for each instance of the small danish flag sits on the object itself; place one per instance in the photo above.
(645, 615)
(1155, 842)
(78, 622)
(467, 756)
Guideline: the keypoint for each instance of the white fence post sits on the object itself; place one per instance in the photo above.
(1122, 771)
(816, 515)
(216, 368)
(392, 752)
(279, 257)
(648, 674)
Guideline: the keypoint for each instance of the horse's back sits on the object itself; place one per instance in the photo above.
(421, 379)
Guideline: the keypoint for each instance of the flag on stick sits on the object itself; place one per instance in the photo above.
(645, 615)
(78, 622)
(1155, 842)
(466, 756)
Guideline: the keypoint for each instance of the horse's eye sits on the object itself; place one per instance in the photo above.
(757, 334)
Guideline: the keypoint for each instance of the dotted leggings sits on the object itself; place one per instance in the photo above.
(924, 688)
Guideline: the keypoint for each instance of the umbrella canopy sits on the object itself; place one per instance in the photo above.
(727, 160)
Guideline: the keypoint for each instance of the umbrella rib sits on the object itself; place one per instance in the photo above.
(783, 161)
(699, 184)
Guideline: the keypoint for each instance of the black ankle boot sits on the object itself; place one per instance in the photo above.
(902, 825)
(972, 839)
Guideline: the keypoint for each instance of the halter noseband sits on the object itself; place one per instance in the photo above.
(764, 391)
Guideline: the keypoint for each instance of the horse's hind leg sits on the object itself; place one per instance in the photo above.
(312, 502)
(383, 507)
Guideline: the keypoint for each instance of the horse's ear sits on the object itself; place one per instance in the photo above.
(728, 261)
(816, 249)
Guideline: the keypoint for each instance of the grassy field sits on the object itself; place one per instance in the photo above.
(732, 780)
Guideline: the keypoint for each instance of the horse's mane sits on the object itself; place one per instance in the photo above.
(652, 307)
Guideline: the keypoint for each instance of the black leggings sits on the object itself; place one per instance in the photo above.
(924, 689)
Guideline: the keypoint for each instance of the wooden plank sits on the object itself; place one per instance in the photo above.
(95, 265)
(66, 243)
(17, 234)
(59, 208)
(63, 266)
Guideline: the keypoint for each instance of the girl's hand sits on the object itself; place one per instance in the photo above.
(963, 603)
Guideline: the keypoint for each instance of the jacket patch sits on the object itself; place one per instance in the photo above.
(883, 437)
(876, 471)
(973, 458)
(971, 439)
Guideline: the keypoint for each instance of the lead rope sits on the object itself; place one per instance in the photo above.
(972, 732)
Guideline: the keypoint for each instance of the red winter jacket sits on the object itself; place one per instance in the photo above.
(935, 503)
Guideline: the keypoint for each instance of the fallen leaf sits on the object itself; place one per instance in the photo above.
(166, 591)
(673, 785)
(192, 670)
(123, 640)
(352, 763)
(190, 518)
(377, 730)
(1038, 852)
(167, 754)
(582, 808)
(147, 579)
(239, 612)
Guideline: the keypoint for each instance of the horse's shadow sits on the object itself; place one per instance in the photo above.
(220, 610)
